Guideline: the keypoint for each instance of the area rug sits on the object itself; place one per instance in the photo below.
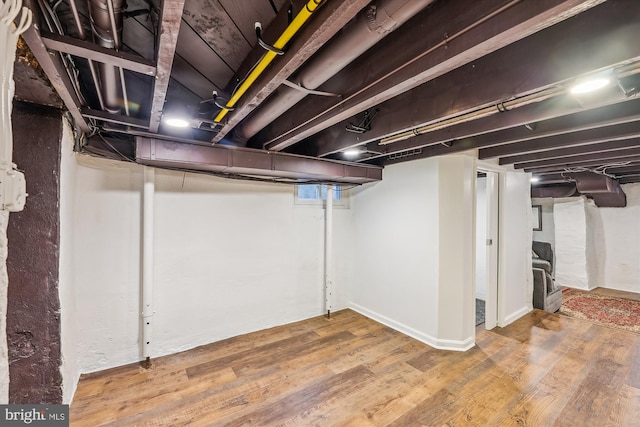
(613, 312)
(479, 312)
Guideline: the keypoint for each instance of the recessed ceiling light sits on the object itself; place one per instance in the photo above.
(176, 122)
(353, 152)
(535, 179)
(590, 85)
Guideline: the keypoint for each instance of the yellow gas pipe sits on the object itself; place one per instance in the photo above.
(282, 41)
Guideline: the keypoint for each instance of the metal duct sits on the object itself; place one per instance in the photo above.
(246, 161)
(371, 25)
(106, 23)
(592, 183)
(604, 190)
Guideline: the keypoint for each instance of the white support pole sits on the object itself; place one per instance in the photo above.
(147, 263)
(328, 250)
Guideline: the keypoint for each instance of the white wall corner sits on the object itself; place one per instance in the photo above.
(509, 319)
(427, 339)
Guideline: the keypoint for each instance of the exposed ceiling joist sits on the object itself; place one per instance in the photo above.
(54, 68)
(88, 50)
(167, 38)
(571, 151)
(622, 113)
(574, 139)
(606, 157)
(584, 163)
(545, 59)
(480, 27)
(114, 118)
(328, 20)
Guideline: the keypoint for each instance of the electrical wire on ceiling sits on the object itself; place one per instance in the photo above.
(600, 170)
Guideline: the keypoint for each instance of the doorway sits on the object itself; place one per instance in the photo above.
(486, 262)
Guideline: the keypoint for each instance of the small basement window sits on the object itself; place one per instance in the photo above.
(316, 194)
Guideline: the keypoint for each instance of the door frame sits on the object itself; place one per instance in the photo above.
(492, 258)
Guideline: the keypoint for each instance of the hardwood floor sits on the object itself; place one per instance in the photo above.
(542, 370)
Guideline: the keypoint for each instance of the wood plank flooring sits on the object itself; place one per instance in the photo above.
(542, 370)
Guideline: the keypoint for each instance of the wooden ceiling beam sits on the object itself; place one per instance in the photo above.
(451, 34)
(88, 50)
(600, 156)
(571, 151)
(548, 58)
(54, 68)
(515, 141)
(170, 17)
(574, 139)
(325, 23)
(583, 163)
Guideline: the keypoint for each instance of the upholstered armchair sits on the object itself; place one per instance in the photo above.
(546, 295)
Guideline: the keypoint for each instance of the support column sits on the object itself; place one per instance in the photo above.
(328, 251)
(147, 263)
(33, 312)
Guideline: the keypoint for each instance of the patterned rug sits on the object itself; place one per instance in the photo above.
(619, 313)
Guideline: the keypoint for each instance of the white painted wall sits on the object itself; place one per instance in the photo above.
(67, 285)
(231, 257)
(547, 234)
(614, 243)
(515, 276)
(481, 238)
(456, 226)
(571, 242)
(396, 272)
(414, 250)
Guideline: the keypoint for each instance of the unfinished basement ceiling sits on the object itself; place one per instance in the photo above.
(395, 79)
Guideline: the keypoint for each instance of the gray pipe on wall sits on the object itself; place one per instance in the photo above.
(104, 36)
(370, 26)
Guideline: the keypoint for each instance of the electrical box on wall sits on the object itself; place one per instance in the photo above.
(13, 190)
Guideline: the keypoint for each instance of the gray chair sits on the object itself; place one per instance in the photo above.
(546, 295)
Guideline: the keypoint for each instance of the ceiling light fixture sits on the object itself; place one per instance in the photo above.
(590, 85)
(535, 179)
(354, 152)
(176, 122)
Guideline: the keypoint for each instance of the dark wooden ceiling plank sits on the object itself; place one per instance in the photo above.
(534, 62)
(190, 78)
(583, 164)
(466, 38)
(53, 68)
(194, 50)
(209, 19)
(246, 14)
(498, 144)
(88, 50)
(629, 179)
(580, 138)
(138, 38)
(326, 22)
(168, 36)
(587, 156)
(588, 160)
(571, 151)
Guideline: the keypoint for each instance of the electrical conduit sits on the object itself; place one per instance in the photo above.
(282, 41)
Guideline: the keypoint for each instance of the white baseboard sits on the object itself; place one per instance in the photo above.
(440, 344)
(515, 316)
